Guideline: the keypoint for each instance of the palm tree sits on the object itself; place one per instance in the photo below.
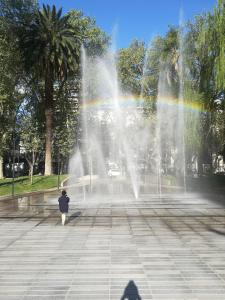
(50, 49)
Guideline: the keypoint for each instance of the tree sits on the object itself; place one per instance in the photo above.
(67, 98)
(57, 59)
(5, 104)
(152, 68)
(130, 67)
(50, 50)
(206, 60)
(66, 124)
(10, 75)
(31, 140)
(162, 55)
(94, 40)
(217, 44)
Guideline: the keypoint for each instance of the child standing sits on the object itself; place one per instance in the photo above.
(64, 206)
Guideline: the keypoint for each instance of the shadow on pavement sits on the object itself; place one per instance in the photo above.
(217, 231)
(131, 292)
(73, 216)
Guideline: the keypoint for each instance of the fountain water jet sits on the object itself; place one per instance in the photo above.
(115, 136)
(170, 143)
(105, 142)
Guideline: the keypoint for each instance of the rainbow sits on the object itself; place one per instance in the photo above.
(135, 101)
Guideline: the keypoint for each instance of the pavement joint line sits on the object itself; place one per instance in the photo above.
(116, 216)
(17, 239)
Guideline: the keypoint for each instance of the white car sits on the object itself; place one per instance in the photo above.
(114, 172)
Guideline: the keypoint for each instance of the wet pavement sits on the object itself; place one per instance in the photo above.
(172, 247)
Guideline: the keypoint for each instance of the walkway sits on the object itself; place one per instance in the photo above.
(172, 248)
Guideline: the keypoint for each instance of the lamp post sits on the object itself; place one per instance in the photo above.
(13, 164)
(58, 166)
(13, 167)
(21, 91)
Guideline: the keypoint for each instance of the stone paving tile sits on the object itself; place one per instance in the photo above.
(171, 247)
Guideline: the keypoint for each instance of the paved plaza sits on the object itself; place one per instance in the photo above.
(172, 247)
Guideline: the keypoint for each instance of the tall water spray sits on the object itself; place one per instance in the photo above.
(119, 149)
(181, 113)
(170, 143)
(107, 151)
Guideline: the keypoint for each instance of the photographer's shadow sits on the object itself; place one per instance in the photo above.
(131, 292)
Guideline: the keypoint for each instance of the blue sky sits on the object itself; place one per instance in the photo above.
(141, 19)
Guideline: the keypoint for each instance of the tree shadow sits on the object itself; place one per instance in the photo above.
(217, 231)
(39, 180)
(10, 182)
(131, 292)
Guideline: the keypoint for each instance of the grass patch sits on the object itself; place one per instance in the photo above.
(23, 185)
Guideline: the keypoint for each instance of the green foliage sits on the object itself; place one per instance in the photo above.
(66, 121)
(94, 40)
(50, 49)
(205, 59)
(218, 32)
(193, 126)
(152, 68)
(31, 139)
(23, 184)
(139, 67)
(10, 97)
(130, 67)
(50, 44)
(205, 52)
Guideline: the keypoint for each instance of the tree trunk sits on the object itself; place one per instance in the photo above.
(32, 168)
(48, 142)
(31, 173)
(1, 167)
(200, 163)
(48, 120)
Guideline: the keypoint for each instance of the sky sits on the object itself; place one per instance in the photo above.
(140, 19)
